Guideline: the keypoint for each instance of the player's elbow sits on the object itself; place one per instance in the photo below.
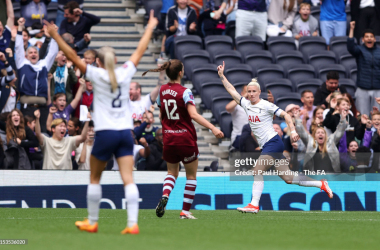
(193, 116)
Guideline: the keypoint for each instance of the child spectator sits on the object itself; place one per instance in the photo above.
(354, 129)
(181, 21)
(317, 120)
(150, 131)
(19, 139)
(59, 108)
(87, 97)
(78, 46)
(347, 155)
(280, 16)
(307, 98)
(372, 137)
(305, 24)
(154, 159)
(34, 10)
(83, 152)
(90, 57)
(38, 35)
(64, 77)
(57, 149)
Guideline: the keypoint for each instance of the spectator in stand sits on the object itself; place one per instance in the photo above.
(64, 77)
(366, 14)
(90, 57)
(8, 94)
(248, 142)
(354, 129)
(33, 74)
(363, 158)
(212, 20)
(333, 99)
(238, 114)
(166, 4)
(150, 131)
(278, 129)
(57, 149)
(77, 22)
(5, 32)
(83, 152)
(35, 154)
(305, 24)
(372, 138)
(321, 151)
(230, 10)
(333, 19)
(154, 160)
(280, 17)
(181, 21)
(348, 155)
(19, 139)
(139, 104)
(81, 45)
(367, 57)
(317, 120)
(59, 108)
(61, 13)
(87, 97)
(34, 11)
(251, 18)
(307, 98)
(73, 126)
(291, 109)
(323, 94)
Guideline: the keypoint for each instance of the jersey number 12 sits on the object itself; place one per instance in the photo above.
(172, 115)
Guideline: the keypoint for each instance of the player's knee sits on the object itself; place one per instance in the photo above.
(288, 181)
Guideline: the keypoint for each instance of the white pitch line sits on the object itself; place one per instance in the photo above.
(37, 218)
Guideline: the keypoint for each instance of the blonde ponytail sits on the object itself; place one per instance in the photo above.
(254, 82)
(107, 58)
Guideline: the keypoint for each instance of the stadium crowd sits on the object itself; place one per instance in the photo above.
(42, 92)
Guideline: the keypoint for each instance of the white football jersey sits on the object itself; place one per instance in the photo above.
(138, 107)
(111, 108)
(260, 119)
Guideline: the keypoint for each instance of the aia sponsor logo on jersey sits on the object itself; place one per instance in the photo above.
(254, 118)
(125, 65)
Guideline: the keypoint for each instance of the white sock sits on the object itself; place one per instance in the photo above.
(94, 195)
(305, 181)
(132, 196)
(257, 189)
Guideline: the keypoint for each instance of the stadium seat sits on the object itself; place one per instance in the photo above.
(16, 9)
(194, 58)
(353, 74)
(217, 43)
(202, 72)
(289, 59)
(256, 59)
(281, 44)
(231, 29)
(239, 73)
(349, 62)
(338, 44)
(225, 123)
(300, 72)
(315, 11)
(322, 58)
(239, 86)
(212, 89)
(310, 45)
(247, 44)
(230, 57)
(218, 105)
(350, 86)
(52, 11)
(264, 95)
(279, 86)
(322, 72)
(270, 72)
(309, 84)
(288, 98)
(183, 43)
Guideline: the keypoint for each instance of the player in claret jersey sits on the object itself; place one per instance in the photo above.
(177, 109)
(260, 118)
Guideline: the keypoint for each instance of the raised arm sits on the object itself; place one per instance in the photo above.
(10, 75)
(202, 121)
(351, 46)
(78, 96)
(69, 52)
(10, 14)
(230, 89)
(20, 52)
(341, 128)
(37, 128)
(145, 39)
(53, 49)
(82, 137)
(293, 134)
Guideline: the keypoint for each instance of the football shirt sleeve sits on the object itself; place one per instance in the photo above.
(188, 97)
(243, 103)
(273, 109)
(158, 101)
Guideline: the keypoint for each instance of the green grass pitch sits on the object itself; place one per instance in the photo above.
(221, 229)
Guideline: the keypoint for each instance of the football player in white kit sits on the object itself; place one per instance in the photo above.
(260, 118)
(113, 124)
